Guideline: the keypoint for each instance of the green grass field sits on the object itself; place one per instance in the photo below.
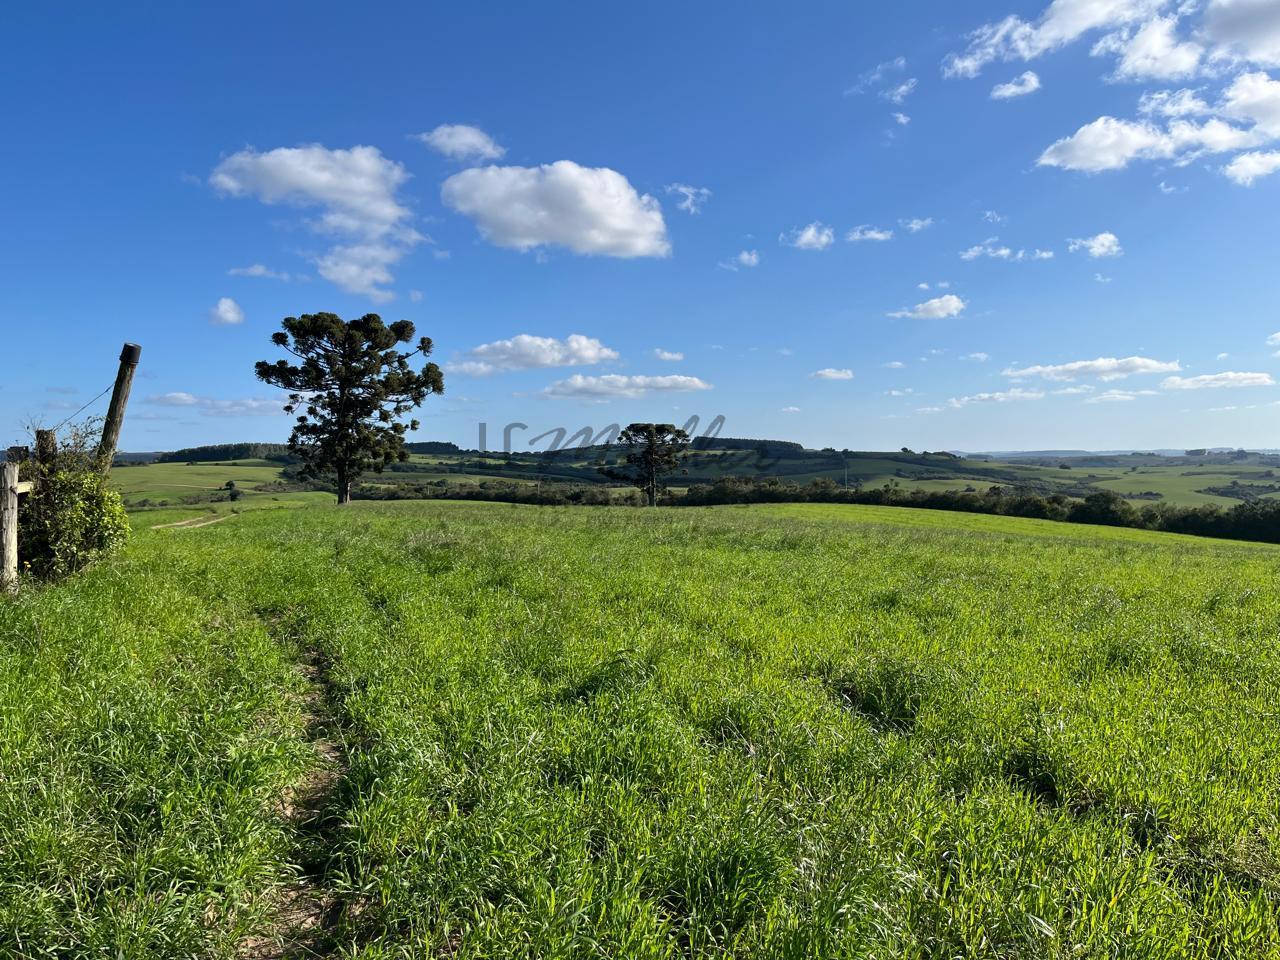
(466, 730)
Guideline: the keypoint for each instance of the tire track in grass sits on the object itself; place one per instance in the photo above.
(307, 913)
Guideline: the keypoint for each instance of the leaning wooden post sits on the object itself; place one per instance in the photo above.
(119, 400)
(9, 526)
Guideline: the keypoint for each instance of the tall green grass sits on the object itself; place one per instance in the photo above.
(765, 732)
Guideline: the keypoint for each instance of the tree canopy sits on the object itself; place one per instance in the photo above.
(653, 450)
(352, 384)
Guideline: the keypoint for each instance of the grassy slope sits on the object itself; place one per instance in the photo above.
(781, 731)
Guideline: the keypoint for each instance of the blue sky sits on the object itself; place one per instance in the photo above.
(1028, 225)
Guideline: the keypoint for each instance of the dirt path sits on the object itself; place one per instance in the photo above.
(306, 913)
(195, 522)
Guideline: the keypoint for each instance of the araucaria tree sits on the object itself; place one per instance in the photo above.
(653, 451)
(352, 384)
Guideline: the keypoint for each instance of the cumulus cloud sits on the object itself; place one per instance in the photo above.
(790, 409)
(939, 308)
(832, 373)
(868, 232)
(815, 236)
(1152, 51)
(901, 119)
(745, 258)
(226, 312)
(978, 356)
(589, 210)
(893, 365)
(1245, 29)
(1063, 22)
(1254, 97)
(1173, 103)
(1000, 396)
(1019, 86)
(614, 386)
(1103, 368)
(692, 199)
(1248, 167)
(458, 141)
(1209, 381)
(1100, 245)
(258, 270)
(917, 224)
(354, 189)
(211, 407)
(527, 352)
(1112, 144)
(670, 355)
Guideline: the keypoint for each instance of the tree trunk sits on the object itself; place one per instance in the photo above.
(653, 495)
(344, 485)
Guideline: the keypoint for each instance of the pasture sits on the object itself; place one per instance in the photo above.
(482, 730)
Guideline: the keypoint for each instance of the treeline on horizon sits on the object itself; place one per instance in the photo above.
(1254, 520)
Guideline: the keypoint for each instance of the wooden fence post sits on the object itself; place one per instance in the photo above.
(9, 526)
(119, 400)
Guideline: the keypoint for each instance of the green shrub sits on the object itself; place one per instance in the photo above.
(73, 516)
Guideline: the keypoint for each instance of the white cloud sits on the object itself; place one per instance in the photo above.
(832, 373)
(670, 355)
(613, 386)
(527, 352)
(899, 393)
(1020, 86)
(1103, 368)
(1273, 340)
(1254, 97)
(1002, 396)
(815, 236)
(587, 210)
(1217, 380)
(226, 312)
(745, 258)
(1073, 391)
(1173, 103)
(1223, 356)
(210, 407)
(458, 141)
(1248, 29)
(258, 270)
(897, 94)
(1063, 22)
(991, 247)
(790, 409)
(1101, 279)
(894, 365)
(876, 74)
(1248, 167)
(415, 296)
(692, 199)
(918, 224)
(1111, 144)
(992, 216)
(1152, 51)
(979, 356)
(355, 190)
(868, 232)
(901, 119)
(1119, 396)
(939, 308)
(1100, 245)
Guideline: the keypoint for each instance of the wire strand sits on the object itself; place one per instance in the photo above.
(84, 408)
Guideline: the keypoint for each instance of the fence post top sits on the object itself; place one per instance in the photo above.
(130, 353)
